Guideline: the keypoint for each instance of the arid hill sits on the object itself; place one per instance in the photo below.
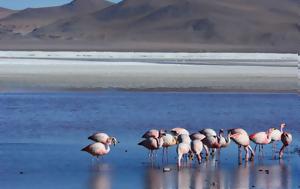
(29, 19)
(179, 25)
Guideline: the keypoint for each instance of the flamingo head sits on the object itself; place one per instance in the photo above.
(191, 156)
(282, 125)
(113, 140)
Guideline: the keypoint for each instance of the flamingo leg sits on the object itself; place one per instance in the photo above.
(247, 153)
(252, 153)
(206, 151)
(281, 151)
(179, 161)
(167, 154)
(239, 154)
(163, 155)
(199, 158)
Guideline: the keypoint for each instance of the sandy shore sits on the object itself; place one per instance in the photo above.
(148, 71)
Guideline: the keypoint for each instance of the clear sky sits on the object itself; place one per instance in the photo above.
(22, 4)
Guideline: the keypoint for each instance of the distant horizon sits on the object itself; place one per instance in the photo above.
(20, 5)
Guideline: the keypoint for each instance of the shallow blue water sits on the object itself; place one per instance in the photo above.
(41, 136)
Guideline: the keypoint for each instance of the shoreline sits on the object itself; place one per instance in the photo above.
(199, 72)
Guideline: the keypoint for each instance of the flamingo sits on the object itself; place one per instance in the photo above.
(241, 138)
(152, 144)
(197, 136)
(261, 138)
(103, 138)
(196, 148)
(153, 133)
(178, 131)
(209, 132)
(182, 149)
(276, 134)
(210, 142)
(97, 149)
(168, 141)
(286, 139)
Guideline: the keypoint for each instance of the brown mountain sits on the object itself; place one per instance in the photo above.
(5, 12)
(29, 19)
(273, 24)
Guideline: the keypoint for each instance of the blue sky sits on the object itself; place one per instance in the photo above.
(21, 4)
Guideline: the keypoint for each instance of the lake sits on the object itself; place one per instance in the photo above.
(41, 135)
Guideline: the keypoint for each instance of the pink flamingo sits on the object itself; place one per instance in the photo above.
(286, 139)
(209, 132)
(98, 149)
(261, 138)
(276, 134)
(182, 149)
(196, 148)
(210, 142)
(241, 138)
(152, 144)
(168, 141)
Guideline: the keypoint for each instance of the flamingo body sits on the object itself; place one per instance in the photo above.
(197, 136)
(260, 138)
(99, 137)
(151, 143)
(152, 133)
(240, 136)
(208, 132)
(97, 149)
(168, 140)
(196, 148)
(178, 131)
(184, 138)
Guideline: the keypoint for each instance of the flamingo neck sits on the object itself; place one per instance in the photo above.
(228, 139)
(281, 129)
(107, 148)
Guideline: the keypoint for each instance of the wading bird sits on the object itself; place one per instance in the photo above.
(261, 138)
(208, 132)
(196, 148)
(241, 138)
(276, 135)
(168, 141)
(182, 149)
(99, 149)
(152, 144)
(286, 139)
